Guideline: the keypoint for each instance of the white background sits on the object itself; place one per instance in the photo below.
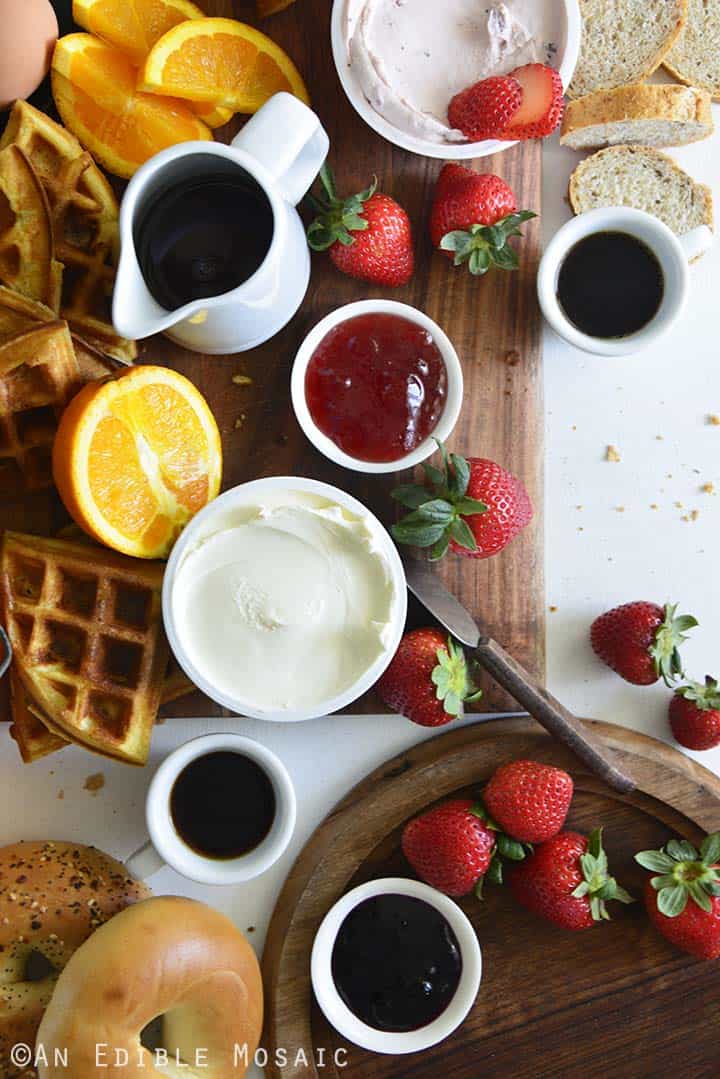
(654, 409)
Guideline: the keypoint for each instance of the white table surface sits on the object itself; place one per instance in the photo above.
(654, 409)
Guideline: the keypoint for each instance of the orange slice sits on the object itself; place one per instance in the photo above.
(221, 61)
(133, 26)
(94, 89)
(136, 457)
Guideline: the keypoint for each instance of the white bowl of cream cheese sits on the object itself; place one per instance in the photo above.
(401, 62)
(284, 599)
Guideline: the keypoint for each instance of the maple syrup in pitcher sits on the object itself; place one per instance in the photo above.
(223, 805)
(203, 236)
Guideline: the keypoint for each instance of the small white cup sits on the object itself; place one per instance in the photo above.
(166, 846)
(336, 1010)
(672, 252)
(453, 402)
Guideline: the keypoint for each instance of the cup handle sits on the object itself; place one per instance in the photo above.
(288, 139)
(144, 862)
(696, 242)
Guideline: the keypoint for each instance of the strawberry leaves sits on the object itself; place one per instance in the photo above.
(597, 885)
(337, 218)
(665, 647)
(439, 508)
(451, 678)
(705, 697)
(683, 873)
(485, 246)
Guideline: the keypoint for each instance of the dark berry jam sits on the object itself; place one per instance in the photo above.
(376, 385)
(396, 963)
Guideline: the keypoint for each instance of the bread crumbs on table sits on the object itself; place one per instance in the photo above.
(612, 454)
(714, 420)
(654, 506)
(552, 608)
(242, 380)
(94, 783)
(708, 488)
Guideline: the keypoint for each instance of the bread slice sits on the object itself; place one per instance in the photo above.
(624, 41)
(646, 179)
(640, 114)
(695, 56)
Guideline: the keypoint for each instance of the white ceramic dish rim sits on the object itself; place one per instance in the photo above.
(244, 494)
(637, 223)
(337, 1012)
(444, 151)
(186, 861)
(455, 385)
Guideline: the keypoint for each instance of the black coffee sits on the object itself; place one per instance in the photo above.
(610, 285)
(222, 805)
(202, 237)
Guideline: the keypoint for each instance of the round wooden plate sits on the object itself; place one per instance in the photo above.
(613, 1000)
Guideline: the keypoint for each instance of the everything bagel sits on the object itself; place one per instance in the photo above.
(53, 895)
(168, 957)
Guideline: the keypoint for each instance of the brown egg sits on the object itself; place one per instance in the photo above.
(28, 32)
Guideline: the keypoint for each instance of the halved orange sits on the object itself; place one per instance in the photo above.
(136, 457)
(133, 26)
(94, 89)
(221, 61)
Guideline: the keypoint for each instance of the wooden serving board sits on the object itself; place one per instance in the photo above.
(613, 1000)
(494, 323)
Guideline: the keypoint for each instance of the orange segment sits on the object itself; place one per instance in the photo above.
(136, 457)
(221, 61)
(94, 89)
(133, 26)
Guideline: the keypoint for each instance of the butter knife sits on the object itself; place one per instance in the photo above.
(425, 584)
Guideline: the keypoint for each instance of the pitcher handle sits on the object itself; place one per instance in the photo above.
(6, 648)
(288, 139)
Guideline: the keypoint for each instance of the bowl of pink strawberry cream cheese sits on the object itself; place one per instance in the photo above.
(402, 61)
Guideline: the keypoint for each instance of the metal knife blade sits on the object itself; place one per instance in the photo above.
(425, 584)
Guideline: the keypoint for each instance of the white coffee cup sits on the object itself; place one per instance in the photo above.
(167, 847)
(672, 252)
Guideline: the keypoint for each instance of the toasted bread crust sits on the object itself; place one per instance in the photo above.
(637, 103)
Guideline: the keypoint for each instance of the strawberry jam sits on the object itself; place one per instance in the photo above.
(396, 963)
(376, 385)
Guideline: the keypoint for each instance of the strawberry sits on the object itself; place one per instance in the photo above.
(368, 235)
(449, 847)
(566, 881)
(472, 218)
(474, 506)
(640, 641)
(683, 899)
(695, 715)
(529, 801)
(484, 110)
(428, 679)
(541, 107)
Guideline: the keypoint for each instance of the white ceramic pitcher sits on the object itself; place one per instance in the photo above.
(282, 148)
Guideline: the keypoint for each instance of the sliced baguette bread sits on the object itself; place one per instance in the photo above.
(639, 114)
(624, 41)
(646, 179)
(695, 56)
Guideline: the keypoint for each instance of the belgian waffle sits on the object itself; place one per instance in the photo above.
(87, 638)
(84, 214)
(34, 739)
(18, 312)
(39, 373)
(27, 250)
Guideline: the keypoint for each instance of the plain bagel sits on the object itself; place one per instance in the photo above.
(53, 895)
(168, 957)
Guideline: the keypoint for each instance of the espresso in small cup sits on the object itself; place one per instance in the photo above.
(222, 805)
(610, 284)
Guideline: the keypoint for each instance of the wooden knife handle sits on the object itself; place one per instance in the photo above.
(556, 719)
